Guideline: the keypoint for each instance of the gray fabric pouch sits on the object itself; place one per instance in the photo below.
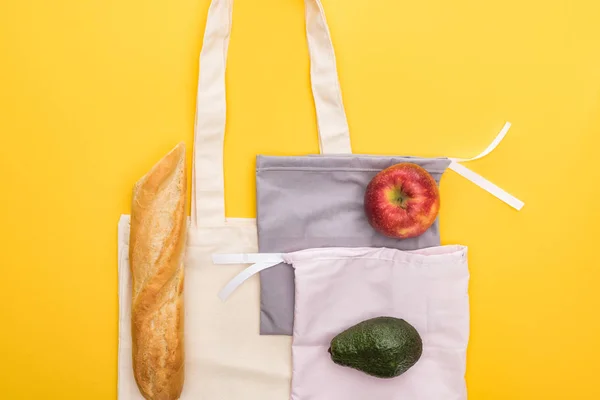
(317, 201)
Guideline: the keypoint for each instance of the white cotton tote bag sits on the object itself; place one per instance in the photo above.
(337, 288)
(225, 357)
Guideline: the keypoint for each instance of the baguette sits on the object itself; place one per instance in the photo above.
(156, 249)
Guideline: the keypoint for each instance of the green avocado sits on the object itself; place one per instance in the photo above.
(383, 347)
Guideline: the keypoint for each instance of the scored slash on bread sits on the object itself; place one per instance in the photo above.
(157, 246)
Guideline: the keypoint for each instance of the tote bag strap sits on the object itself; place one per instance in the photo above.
(208, 193)
(334, 134)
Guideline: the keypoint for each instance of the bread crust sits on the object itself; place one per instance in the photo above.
(156, 250)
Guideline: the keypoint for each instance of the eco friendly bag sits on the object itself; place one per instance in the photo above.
(225, 357)
(336, 288)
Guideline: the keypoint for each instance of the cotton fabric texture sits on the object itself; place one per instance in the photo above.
(225, 357)
(338, 288)
(309, 202)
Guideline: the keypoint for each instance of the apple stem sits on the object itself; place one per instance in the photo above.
(401, 200)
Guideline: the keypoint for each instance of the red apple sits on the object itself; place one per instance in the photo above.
(402, 201)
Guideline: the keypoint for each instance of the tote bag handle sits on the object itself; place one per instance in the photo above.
(208, 193)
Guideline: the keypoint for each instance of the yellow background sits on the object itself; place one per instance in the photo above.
(93, 92)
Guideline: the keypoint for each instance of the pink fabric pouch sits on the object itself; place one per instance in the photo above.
(337, 288)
